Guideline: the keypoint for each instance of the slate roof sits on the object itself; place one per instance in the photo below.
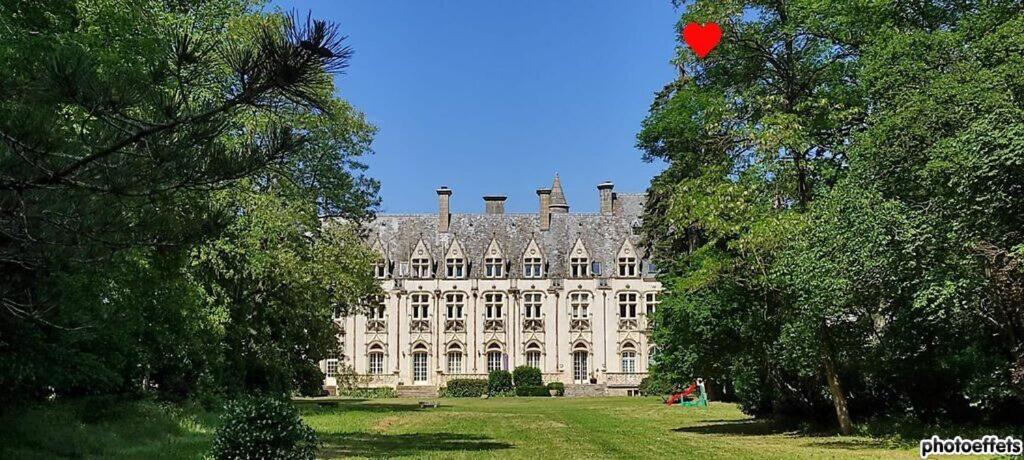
(603, 236)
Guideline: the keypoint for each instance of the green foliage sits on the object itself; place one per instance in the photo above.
(161, 219)
(530, 390)
(368, 393)
(263, 428)
(465, 388)
(499, 382)
(858, 205)
(557, 386)
(527, 376)
(654, 385)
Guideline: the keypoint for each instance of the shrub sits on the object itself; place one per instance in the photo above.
(653, 386)
(499, 382)
(263, 428)
(527, 376)
(309, 380)
(532, 391)
(559, 386)
(368, 393)
(465, 388)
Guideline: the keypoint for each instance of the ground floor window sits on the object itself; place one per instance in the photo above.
(454, 363)
(332, 367)
(376, 363)
(533, 359)
(629, 362)
(493, 361)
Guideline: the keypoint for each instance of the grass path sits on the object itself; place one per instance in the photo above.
(566, 428)
(528, 428)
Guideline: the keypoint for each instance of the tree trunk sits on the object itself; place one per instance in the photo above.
(838, 398)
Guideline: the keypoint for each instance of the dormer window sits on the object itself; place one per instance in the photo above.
(380, 269)
(421, 268)
(579, 260)
(494, 303)
(455, 268)
(533, 267)
(627, 267)
(494, 267)
(579, 267)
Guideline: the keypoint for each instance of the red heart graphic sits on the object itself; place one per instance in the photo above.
(702, 39)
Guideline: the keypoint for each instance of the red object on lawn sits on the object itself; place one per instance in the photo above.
(677, 398)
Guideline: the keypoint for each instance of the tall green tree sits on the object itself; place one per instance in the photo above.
(847, 252)
(164, 169)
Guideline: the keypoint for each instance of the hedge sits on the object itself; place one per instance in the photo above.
(527, 376)
(368, 393)
(464, 388)
(499, 382)
(532, 391)
(559, 386)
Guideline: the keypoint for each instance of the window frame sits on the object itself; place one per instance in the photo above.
(415, 305)
(450, 302)
(494, 267)
(628, 306)
(579, 301)
(533, 309)
(533, 267)
(491, 300)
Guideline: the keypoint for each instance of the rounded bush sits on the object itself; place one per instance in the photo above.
(263, 428)
(527, 376)
(499, 382)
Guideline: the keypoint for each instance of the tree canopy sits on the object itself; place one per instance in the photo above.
(165, 170)
(839, 222)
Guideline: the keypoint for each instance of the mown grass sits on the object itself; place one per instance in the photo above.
(531, 428)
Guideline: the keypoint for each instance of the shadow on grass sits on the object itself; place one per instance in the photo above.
(736, 428)
(355, 405)
(393, 445)
(854, 444)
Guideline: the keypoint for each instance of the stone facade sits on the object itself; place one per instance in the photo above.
(466, 293)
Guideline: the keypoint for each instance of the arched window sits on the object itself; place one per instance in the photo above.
(376, 360)
(494, 358)
(533, 356)
(628, 358)
(454, 359)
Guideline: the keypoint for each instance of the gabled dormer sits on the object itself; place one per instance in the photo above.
(494, 260)
(455, 261)
(420, 261)
(579, 260)
(628, 260)
(382, 266)
(533, 260)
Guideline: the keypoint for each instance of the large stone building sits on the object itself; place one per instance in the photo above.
(568, 293)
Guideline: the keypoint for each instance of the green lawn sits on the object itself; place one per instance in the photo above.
(461, 428)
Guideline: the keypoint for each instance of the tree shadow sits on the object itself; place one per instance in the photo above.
(356, 405)
(737, 428)
(854, 444)
(393, 445)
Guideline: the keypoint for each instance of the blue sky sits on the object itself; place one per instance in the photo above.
(492, 97)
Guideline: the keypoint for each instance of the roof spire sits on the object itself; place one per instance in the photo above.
(558, 203)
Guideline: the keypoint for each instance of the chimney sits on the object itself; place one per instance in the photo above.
(444, 216)
(545, 208)
(604, 189)
(494, 204)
